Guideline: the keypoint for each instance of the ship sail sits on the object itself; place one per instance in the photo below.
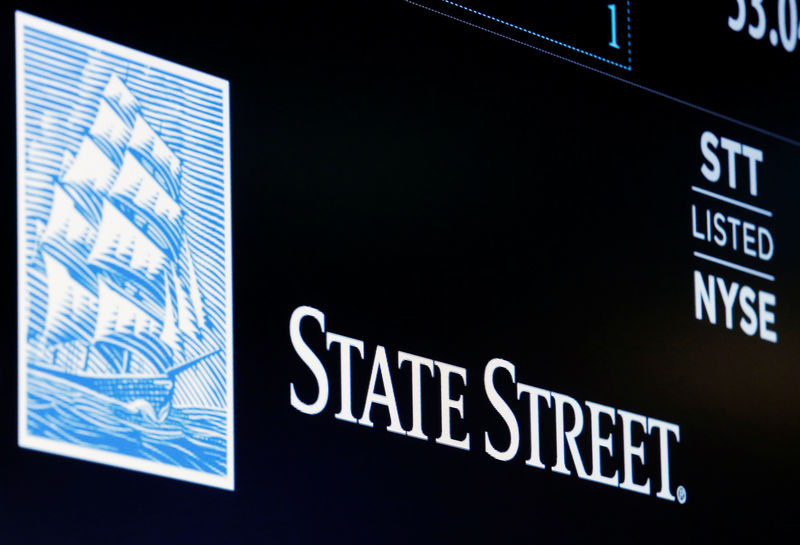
(121, 99)
(120, 277)
(136, 190)
(171, 334)
(110, 132)
(122, 249)
(145, 143)
(71, 307)
(88, 178)
(122, 323)
(69, 237)
(189, 315)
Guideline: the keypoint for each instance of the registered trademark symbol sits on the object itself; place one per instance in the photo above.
(681, 495)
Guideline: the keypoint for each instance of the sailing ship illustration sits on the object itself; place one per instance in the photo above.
(122, 296)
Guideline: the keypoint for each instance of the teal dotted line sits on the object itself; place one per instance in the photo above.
(630, 57)
(541, 36)
(621, 79)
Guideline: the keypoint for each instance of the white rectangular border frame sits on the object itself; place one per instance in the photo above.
(84, 453)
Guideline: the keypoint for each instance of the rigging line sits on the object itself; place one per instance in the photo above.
(175, 369)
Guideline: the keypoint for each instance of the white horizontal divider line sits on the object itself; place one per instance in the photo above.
(734, 202)
(724, 263)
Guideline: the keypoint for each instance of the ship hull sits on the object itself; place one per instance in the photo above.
(154, 391)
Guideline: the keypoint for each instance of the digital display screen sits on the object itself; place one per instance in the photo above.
(398, 271)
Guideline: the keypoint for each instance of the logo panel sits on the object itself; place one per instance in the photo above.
(124, 257)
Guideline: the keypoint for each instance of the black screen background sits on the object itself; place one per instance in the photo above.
(441, 191)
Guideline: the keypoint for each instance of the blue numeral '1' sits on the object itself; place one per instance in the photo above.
(613, 9)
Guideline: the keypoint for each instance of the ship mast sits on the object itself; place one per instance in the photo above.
(114, 232)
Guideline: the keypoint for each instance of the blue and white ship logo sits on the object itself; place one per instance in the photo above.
(124, 241)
